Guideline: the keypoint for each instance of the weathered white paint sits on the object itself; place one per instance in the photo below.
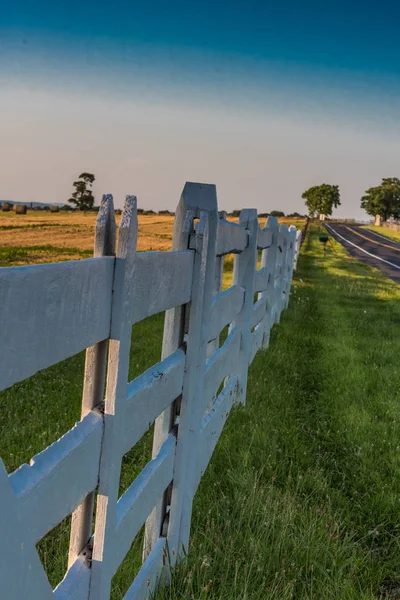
(223, 362)
(136, 503)
(59, 478)
(224, 309)
(212, 425)
(50, 312)
(105, 539)
(268, 261)
(148, 395)
(94, 379)
(231, 237)
(258, 312)
(75, 585)
(243, 275)
(204, 243)
(195, 197)
(264, 238)
(150, 573)
(256, 342)
(261, 279)
(167, 275)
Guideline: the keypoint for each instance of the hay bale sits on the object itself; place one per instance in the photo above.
(54, 208)
(6, 207)
(20, 209)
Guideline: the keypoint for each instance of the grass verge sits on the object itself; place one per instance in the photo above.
(301, 497)
(391, 234)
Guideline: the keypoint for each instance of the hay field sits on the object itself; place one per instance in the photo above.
(39, 236)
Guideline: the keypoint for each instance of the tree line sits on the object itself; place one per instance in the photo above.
(383, 200)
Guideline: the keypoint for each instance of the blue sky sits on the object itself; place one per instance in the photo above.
(262, 98)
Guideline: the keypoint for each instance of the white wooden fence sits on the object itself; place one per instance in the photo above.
(51, 312)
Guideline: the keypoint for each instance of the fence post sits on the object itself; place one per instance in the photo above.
(290, 263)
(186, 325)
(299, 234)
(280, 272)
(244, 268)
(218, 281)
(268, 259)
(94, 378)
(117, 378)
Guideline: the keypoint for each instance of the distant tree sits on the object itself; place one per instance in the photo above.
(321, 199)
(234, 213)
(164, 212)
(83, 197)
(277, 213)
(383, 200)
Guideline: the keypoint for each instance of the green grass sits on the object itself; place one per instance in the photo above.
(11, 255)
(389, 233)
(301, 498)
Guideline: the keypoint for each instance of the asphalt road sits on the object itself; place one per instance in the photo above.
(369, 247)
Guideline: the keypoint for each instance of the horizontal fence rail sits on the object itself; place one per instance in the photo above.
(51, 312)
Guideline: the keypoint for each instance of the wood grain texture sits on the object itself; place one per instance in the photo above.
(94, 378)
(231, 237)
(161, 280)
(148, 395)
(50, 312)
(105, 539)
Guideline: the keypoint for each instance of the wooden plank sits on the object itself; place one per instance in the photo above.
(231, 237)
(212, 425)
(59, 478)
(148, 576)
(161, 280)
(105, 539)
(76, 583)
(269, 262)
(264, 238)
(136, 503)
(94, 379)
(191, 409)
(224, 309)
(280, 272)
(258, 312)
(290, 262)
(50, 312)
(256, 342)
(222, 363)
(150, 394)
(244, 267)
(213, 344)
(195, 199)
(261, 279)
(21, 572)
